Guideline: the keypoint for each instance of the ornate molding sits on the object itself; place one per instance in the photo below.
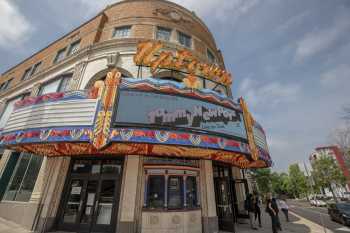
(77, 76)
(172, 15)
(112, 60)
(35, 90)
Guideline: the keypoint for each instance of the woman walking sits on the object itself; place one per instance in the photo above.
(270, 210)
(284, 207)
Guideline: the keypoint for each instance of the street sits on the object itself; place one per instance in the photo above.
(317, 215)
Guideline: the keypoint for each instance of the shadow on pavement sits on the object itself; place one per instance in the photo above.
(295, 225)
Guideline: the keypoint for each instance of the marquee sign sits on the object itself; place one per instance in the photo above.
(149, 54)
(169, 111)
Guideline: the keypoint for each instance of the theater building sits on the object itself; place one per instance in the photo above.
(127, 124)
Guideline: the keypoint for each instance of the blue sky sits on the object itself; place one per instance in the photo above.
(290, 58)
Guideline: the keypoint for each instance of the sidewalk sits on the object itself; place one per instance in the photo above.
(10, 227)
(297, 224)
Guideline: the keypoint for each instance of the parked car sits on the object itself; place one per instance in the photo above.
(318, 203)
(340, 212)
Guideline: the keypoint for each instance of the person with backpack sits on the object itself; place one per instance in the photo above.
(249, 206)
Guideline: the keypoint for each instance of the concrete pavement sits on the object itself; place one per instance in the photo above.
(297, 224)
(10, 227)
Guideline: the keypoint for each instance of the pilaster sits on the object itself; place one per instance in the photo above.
(209, 216)
(128, 200)
(77, 76)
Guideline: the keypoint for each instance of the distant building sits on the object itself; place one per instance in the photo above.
(127, 124)
(334, 152)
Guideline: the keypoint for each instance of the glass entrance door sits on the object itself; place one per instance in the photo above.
(92, 196)
(224, 197)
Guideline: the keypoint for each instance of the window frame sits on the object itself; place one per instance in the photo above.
(169, 172)
(35, 68)
(211, 57)
(70, 51)
(27, 73)
(4, 86)
(60, 51)
(179, 34)
(114, 34)
(159, 28)
(20, 97)
(14, 173)
(61, 78)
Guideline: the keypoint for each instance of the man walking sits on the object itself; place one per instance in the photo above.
(250, 207)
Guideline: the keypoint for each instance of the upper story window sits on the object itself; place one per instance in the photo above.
(35, 68)
(60, 55)
(211, 56)
(163, 33)
(10, 104)
(122, 32)
(23, 178)
(185, 39)
(57, 85)
(26, 74)
(73, 48)
(5, 85)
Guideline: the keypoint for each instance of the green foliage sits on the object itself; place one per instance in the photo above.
(262, 177)
(326, 171)
(298, 182)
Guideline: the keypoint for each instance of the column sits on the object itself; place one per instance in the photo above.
(129, 201)
(209, 216)
(35, 90)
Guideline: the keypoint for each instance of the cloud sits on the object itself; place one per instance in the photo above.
(270, 94)
(340, 75)
(93, 6)
(14, 27)
(319, 40)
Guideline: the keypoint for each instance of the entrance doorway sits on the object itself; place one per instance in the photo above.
(91, 198)
(224, 197)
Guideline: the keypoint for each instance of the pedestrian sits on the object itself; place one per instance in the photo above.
(275, 208)
(271, 211)
(249, 206)
(284, 207)
(257, 208)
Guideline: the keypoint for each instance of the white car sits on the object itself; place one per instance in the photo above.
(318, 203)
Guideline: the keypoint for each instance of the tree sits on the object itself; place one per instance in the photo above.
(263, 179)
(298, 182)
(341, 137)
(280, 183)
(326, 172)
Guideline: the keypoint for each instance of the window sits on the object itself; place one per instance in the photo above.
(171, 189)
(35, 68)
(175, 192)
(8, 110)
(27, 74)
(73, 48)
(57, 85)
(60, 55)
(122, 32)
(185, 40)
(163, 34)
(156, 192)
(23, 179)
(211, 56)
(5, 84)
(191, 192)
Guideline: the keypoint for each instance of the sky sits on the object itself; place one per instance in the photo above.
(290, 58)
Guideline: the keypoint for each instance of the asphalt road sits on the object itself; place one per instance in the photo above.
(317, 215)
